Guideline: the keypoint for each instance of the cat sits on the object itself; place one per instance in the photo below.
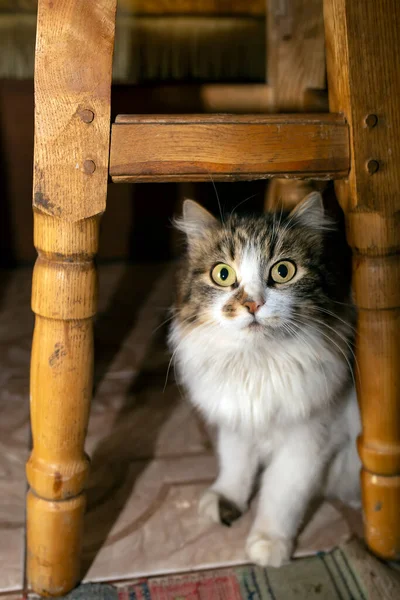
(262, 335)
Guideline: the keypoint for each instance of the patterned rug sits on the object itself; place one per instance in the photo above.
(346, 573)
(324, 577)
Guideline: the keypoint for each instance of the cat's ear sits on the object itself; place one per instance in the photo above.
(310, 213)
(196, 221)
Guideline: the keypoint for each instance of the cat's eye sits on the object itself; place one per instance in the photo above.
(283, 271)
(223, 275)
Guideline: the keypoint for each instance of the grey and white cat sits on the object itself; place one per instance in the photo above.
(262, 339)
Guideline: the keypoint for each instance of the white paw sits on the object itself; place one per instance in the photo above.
(268, 552)
(209, 506)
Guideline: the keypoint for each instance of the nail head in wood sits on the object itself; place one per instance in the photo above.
(372, 166)
(86, 115)
(371, 120)
(89, 167)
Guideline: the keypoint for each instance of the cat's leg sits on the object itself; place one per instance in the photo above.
(288, 484)
(343, 480)
(343, 475)
(228, 497)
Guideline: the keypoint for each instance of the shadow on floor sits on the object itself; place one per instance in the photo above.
(121, 456)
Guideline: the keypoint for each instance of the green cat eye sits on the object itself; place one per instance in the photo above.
(223, 275)
(283, 271)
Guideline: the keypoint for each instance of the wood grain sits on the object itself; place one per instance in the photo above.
(364, 84)
(296, 77)
(329, 119)
(227, 147)
(59, 85)
(296, 52)
(72, 122)
(167, 7)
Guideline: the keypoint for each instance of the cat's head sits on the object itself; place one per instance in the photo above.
(255, 276)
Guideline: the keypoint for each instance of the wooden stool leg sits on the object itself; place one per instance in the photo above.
(72, 129)
(295, 74)
(362, 39)
(64, 300)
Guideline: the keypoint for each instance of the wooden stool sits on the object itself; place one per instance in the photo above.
(358, 145)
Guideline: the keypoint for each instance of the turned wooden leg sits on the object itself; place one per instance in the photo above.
(64, 301)
(72, 129)
(362, 41)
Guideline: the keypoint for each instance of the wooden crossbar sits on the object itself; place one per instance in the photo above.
(163, 148)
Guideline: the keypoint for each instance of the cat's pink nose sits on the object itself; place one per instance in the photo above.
(252, 306)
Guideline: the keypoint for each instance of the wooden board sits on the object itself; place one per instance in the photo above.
(296, 53)
(63, 185)
(228, 147)
(295, 71)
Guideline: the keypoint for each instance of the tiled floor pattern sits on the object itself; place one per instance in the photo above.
(151, 456)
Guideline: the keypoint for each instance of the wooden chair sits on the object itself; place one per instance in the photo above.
(358, 145)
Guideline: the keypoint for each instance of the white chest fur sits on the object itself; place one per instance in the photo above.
(250, 385)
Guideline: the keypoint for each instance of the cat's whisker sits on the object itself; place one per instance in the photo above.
(170, 363)
(349, 304)
(240, 204)
(169, 367)
(171, 317)
(277, 224)
(341, 336)
(177, 384)
(166, 308)
(302, 339)
(332, 314)
(315, 320)
(162, 324)
(183, 338)
(330, 338)
(218, 200)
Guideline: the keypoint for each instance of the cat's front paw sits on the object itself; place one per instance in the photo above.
(268, 551)
(218, 509)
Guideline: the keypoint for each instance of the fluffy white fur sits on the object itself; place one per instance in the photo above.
(271, 400)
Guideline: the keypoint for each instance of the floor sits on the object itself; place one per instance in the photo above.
(151, 455)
